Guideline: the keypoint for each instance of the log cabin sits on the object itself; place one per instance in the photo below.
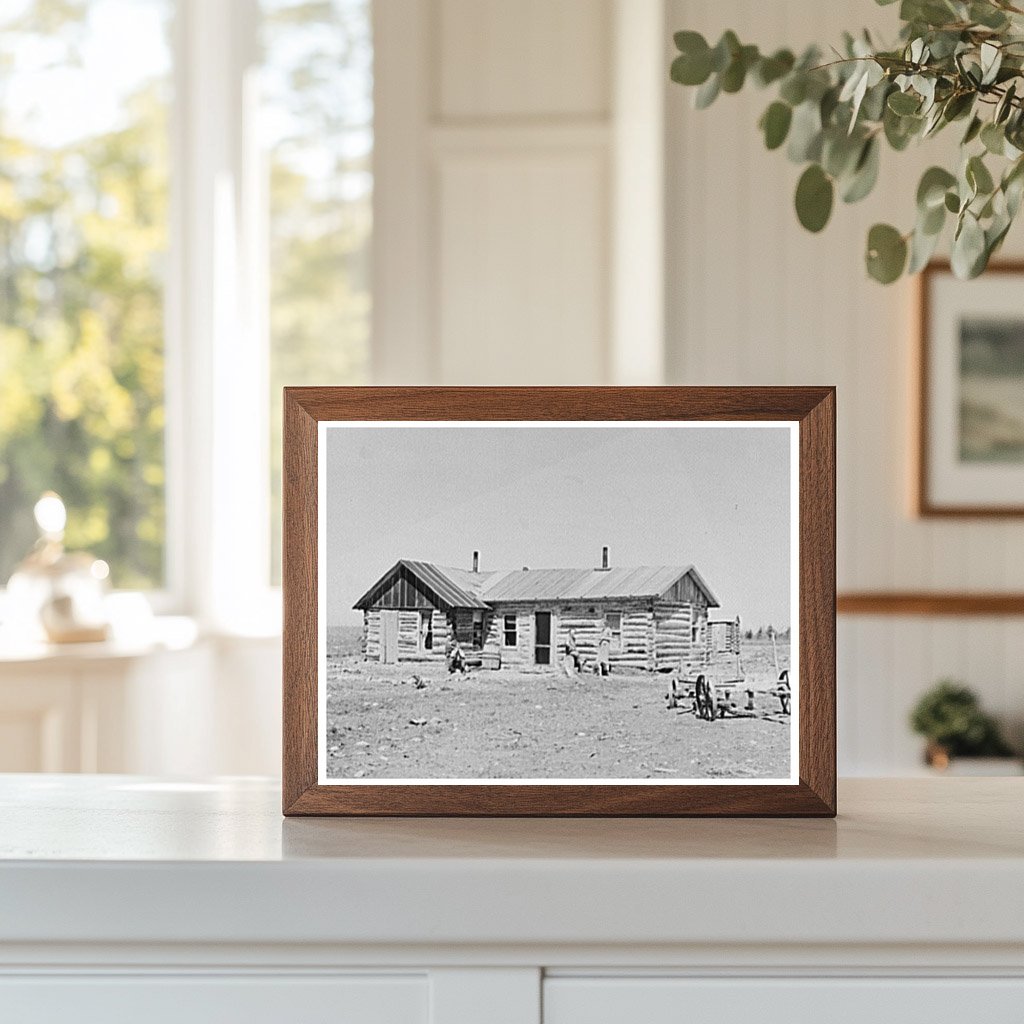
(657, 616)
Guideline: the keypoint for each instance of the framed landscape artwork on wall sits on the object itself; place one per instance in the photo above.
(970, 451)
(571, 601)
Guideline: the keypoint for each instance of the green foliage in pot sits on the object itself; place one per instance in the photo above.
(950, 717)
(958, 62)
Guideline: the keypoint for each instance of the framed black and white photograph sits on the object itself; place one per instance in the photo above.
(532, 612)
(971, 393)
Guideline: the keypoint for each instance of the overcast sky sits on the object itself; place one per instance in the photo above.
(714, 497)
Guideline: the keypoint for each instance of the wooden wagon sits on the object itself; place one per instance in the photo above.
(716, 686)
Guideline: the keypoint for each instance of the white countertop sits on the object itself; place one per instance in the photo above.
(120, 859)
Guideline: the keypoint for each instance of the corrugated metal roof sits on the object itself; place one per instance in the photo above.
(449, 584)
(461, 588)
(590, 584)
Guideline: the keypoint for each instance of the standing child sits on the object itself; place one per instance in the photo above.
(604, 651)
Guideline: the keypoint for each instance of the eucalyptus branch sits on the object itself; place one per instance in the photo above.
(955, 61)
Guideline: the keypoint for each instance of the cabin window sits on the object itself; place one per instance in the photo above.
(511, 631)
(478, 631)
(613, 621)
(426, 631)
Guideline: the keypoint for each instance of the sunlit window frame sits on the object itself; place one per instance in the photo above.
(216, 315)
(217, 354)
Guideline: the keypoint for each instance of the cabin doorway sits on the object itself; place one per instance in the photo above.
(389, 637)
(542, 638)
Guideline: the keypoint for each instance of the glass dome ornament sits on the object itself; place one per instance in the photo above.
(56, 595)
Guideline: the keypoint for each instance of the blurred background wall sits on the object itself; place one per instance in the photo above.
(412, 191)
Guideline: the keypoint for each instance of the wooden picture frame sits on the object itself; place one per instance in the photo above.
(810, 791)
(940, 491)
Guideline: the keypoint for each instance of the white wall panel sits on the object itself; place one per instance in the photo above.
(522, 284)
(494, 207)
(754, 299)
(530, 58)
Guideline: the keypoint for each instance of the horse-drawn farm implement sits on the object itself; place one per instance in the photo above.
(716, 686)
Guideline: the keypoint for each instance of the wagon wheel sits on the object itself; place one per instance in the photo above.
(783, 691)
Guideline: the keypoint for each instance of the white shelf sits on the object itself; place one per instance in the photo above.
(119, 859)
(128, 897)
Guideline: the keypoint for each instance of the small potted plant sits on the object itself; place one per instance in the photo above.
(950, 718)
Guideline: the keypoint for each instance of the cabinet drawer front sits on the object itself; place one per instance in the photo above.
(202, 999)
(783, 1001)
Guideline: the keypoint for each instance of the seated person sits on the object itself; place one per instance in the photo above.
(455, 658)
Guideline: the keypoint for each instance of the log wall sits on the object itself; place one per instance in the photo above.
(673, 634)
(462, 621)
(371, 635)
(408, 635)
(522, 653)
(658, 636)
(635, 649)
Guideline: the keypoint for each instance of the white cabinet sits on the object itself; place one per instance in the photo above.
(177, 704)
(130, 899)
(102, 708)
(202, 999)
(828, 1000)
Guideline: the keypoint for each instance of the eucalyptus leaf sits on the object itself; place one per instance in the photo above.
(991, 60)
(707, 93)
(1014, 192)
(932, 221)
(987, 15)
(993, 138)
(775, 124)
(688, 69)
(873, 106)
(805, 133)
(929, 12)
(886, 253)
(944, 44)
(900, 130)
(865, 174)
(827, 106)
(814, 196)
(968, 248)
(958, 105)
(978, 176)
(735, 74)
(931, 190)
(840, 152)
(724, 51)
(922, 247)
(771, 69)
(1005, 105)
(934, 121)
(794, 88)
(903, 103)
(925, 87)
(973, 130)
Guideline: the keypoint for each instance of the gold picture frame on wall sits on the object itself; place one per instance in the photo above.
(970, 380)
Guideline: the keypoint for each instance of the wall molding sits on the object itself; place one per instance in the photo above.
(917, 603)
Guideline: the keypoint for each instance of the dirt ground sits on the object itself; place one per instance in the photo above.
(538, 723)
